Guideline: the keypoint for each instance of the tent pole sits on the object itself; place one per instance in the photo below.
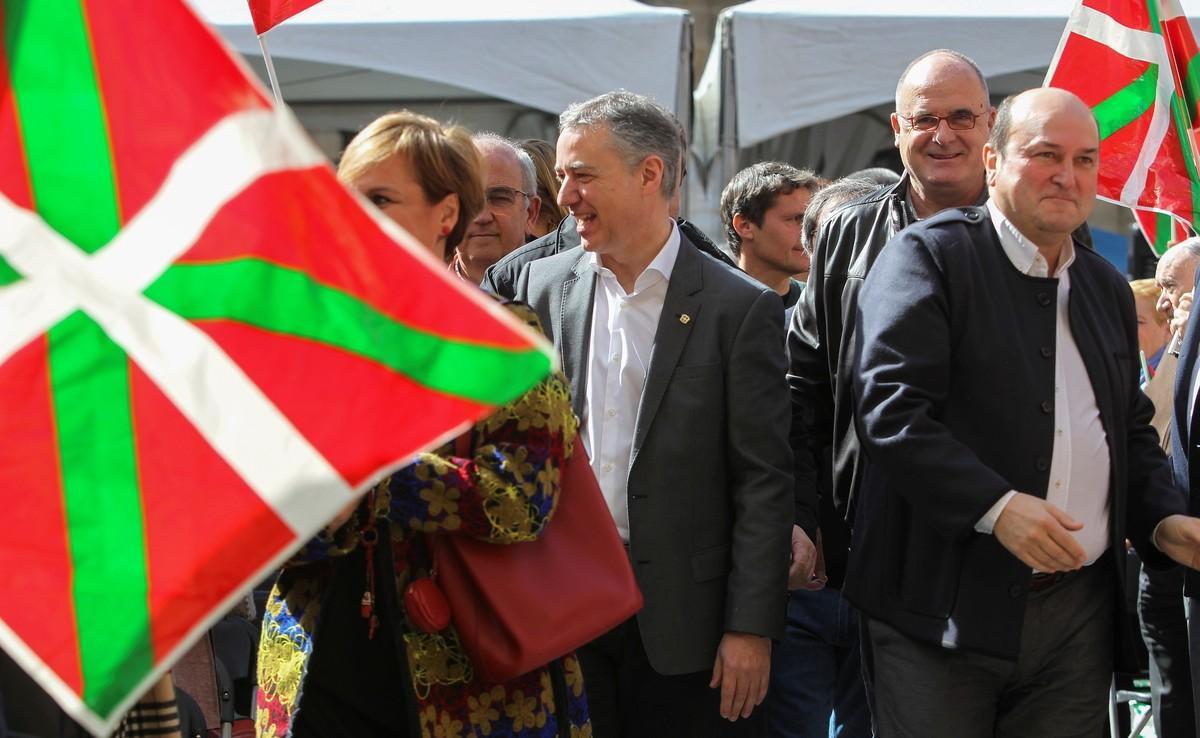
(262, 44)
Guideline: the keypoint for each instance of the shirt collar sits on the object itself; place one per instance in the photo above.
(1022, 253)
(661, 265)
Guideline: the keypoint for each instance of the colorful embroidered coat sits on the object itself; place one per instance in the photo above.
(505, 493)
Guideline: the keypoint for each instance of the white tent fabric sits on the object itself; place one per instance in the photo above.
(781, 65)
(544, 54)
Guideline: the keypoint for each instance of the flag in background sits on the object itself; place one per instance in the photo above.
(207, 346)
(1161, 230)
(269, 13)
(1132, 61)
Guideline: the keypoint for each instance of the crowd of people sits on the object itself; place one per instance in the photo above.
(881, 465)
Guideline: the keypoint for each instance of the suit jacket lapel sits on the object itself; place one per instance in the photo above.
(1183, 381)
(682, 299)
(574, 327)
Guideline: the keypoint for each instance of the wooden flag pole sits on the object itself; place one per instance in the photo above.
(262, 44)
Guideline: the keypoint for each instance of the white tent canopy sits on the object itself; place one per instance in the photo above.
(781, 65)
(544, 54)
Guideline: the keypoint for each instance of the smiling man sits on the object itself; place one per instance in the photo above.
(510, 211)
(1010, 452)
(676, 367)
(762, 209)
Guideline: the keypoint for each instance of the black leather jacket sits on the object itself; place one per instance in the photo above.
(820, 351)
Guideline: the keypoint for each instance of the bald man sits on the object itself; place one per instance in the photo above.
(1010, 452)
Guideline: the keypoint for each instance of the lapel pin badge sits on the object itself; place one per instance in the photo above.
(685, 318)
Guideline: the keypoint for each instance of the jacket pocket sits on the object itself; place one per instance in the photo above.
(711, 563)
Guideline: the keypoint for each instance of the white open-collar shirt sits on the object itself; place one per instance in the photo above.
(1079, 465)
(623, 329)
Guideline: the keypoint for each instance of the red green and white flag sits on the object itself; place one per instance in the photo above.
(207, 345)
(269, 13)
(1161, 230)
(1133, 62)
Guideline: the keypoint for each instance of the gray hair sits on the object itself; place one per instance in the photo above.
(528, 172)
(1191, 246)
(640, 127)
(828, 199)
(957, 56)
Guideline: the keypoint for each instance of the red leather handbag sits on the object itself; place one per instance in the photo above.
(518, 607)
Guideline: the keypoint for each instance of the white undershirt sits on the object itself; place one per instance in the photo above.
(623, 330)
(1079, 465)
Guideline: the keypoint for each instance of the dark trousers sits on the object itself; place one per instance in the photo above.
(1057, 687)
(627, 698)
(1165, 632)
(816, 672)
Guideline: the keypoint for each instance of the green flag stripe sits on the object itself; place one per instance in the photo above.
(299, 306)
(1126, 104)
(1179, 118)
(1191, 84)
(8, 275)
(62, 120)
(1163, 228)
(90, 380)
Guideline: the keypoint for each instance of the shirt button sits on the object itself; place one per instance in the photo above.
(614, 357)
(1058, 484)
(606, 468)
(612, 413)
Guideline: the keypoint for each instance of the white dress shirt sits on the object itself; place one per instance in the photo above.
(623, 329)
(1079, 465)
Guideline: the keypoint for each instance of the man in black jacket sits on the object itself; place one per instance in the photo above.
(943, 167)
(1010, 451)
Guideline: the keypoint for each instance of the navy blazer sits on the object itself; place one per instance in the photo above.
(1184, 445)
(955, 389)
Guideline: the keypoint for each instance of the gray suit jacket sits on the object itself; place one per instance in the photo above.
(710, 483)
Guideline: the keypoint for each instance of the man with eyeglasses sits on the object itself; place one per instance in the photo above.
(942, 119)
(510, 212)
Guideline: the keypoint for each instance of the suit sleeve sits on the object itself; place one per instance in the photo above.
(902, 379)
(760, 463)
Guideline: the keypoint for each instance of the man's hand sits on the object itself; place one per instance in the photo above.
(803, 574)
(1178, 536)
(742, 670)
(1179, 317)
(1039, 534)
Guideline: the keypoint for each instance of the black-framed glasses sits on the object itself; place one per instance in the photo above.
(503, 197)
(959, 120)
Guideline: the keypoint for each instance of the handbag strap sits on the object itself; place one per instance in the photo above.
(463, 443)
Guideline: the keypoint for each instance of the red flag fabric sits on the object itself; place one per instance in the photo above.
(1133, 62)
(269, 13)
(207, 345)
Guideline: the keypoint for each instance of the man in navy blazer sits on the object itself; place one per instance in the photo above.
(1009, 451)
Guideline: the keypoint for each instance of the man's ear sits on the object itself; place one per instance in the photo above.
(896, 130)
(534, 209)
(991, 160)
(651, 171)
(743, 227)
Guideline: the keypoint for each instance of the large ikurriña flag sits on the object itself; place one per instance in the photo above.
(1132, 61)
(207, 346)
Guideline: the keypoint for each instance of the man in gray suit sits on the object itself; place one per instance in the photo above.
(677, 372)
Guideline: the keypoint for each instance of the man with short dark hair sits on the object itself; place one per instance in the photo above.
(762, 208)
(676, 368)
(510, 210)
(1010, 451)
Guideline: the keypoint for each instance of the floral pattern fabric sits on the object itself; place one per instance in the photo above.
(504, 493)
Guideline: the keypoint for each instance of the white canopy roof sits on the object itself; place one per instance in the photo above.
(799, 62)
(544, 54)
